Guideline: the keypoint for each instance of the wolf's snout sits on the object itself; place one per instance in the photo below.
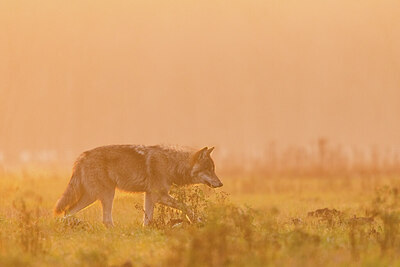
(219, 185)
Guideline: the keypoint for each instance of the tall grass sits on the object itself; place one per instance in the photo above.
(284, 222)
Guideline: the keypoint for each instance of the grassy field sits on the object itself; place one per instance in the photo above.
(252, 221)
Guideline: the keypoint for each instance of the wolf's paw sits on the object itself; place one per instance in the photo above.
(176, 223)
(108, 223)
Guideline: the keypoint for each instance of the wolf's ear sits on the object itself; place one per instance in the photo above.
(203, 152)
(200, 154)
(210, 150)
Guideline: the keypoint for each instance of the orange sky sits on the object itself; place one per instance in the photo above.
(77, 74)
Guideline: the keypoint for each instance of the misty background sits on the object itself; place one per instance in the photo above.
(239, 75)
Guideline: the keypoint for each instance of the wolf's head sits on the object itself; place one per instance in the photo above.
(203, 168)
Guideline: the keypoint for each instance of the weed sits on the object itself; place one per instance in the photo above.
(194, 197)
(30, 235)
(386, 207)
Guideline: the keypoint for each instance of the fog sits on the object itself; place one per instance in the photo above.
(232, 74)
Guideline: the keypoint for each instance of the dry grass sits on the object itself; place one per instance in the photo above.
(261, 221)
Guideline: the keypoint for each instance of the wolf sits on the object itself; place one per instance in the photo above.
(135, 168)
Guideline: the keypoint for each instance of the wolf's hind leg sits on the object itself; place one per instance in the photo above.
(83, 202)
(107, 204)
(173, 203)
(148, 208)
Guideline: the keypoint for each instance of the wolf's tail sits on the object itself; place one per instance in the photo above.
(70, 196)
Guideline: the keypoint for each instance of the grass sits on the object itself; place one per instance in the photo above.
(296, 221)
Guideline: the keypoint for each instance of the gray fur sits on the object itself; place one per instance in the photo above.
(135, 168)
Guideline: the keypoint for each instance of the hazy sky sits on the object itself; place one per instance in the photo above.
(77, 74)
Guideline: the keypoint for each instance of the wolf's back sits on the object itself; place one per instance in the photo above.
(70, 196)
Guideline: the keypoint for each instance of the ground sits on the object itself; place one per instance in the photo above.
(274, 220)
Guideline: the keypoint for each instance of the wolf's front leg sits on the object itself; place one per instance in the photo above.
(148, 208)
(169, 201)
